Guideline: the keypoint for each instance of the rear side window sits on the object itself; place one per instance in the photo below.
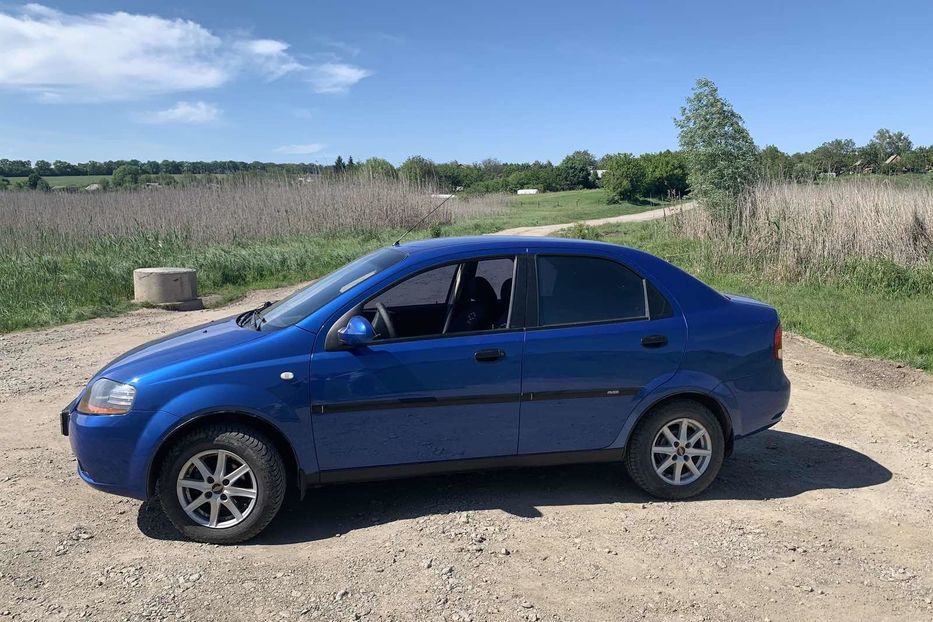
(574, 290)
(658, 304)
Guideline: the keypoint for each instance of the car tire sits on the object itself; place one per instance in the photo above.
(652, 455)
(256, 493)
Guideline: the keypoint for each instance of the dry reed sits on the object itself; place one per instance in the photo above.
(800, 229)
(223, 213)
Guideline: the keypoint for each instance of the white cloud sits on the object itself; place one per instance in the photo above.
(120, 56)
(270, 56)
(335, 77)
(185, 112)
(300, 149)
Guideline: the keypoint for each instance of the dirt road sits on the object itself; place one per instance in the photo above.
(827, 516)
(654, 214)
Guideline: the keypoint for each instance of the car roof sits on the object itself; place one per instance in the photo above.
(494, 242)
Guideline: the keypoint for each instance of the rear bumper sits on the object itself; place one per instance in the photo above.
(758, 403)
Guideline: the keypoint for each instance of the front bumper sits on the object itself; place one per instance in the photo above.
(113, 451)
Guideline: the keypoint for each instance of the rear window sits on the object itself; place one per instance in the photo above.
(575, 290)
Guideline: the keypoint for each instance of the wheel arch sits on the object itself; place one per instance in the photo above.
(268, 429)
(709, 401)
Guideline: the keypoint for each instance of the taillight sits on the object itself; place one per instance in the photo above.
(778, 342)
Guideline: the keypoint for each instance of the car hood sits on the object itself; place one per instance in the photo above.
(185, 345)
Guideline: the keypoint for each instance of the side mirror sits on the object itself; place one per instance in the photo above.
(357, 332)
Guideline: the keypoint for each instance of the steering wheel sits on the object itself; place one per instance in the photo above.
(383, 314)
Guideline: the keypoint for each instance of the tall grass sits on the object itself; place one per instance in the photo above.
(872, 234)
(223, 213)
(66, 257)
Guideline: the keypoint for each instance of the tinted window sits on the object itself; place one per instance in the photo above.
(306, 301)
(658, 304)
(427, 288)
(424, 304)
(587, 289)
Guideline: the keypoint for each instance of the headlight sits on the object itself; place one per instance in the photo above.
(106, 397)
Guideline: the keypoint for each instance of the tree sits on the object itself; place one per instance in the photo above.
(126, 175)
(883, 145)
(36, 182)
(43, 167)
(418, 170)
(775, 163)
(835, 156)
(624, 178)
(377, 168)
(721, 156)
(4, 183)
(574, 171)
(339, 167)
(665, 174)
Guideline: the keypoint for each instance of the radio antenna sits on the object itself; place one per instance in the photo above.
(425, 217)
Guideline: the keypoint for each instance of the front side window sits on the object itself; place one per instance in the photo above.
(575, 290)
(465, 297)
(306, 301)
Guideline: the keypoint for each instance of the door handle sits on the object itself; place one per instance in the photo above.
(489, 356)
(654, 341)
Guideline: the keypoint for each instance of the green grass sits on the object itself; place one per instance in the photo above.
(851, 313)
(96, 280)
(67, 180)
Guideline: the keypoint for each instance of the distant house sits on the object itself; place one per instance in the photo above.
(528, 191)
(599, 172)
(893, 159)
(92, 187)
(443, 196)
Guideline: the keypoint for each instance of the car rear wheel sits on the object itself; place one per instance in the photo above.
(676, 451)
(222, 484)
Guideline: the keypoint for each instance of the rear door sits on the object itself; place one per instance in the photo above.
(593, 344)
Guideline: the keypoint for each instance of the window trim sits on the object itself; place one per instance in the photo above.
(332, 343)
(533, 300)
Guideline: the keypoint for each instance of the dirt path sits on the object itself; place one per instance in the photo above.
(654, 214)
(827, 515)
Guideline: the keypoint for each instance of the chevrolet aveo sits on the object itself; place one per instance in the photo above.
(435, 356)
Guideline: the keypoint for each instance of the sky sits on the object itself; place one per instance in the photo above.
(303, 81)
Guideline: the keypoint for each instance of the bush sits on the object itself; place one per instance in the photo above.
(624, 179)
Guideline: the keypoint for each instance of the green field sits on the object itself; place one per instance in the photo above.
(861, 319)
(67, 180)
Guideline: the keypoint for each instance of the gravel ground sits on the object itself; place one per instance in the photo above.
(828, 515)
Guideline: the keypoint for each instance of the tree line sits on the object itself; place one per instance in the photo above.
(58, 168)
(624, 175)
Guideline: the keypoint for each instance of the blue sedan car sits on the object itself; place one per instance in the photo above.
(435, 356)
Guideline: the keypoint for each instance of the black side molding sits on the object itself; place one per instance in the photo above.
(422, 402)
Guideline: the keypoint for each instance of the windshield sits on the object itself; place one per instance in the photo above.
(306, 301)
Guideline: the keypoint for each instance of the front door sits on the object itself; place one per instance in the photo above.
(596, 346)
(441, 382)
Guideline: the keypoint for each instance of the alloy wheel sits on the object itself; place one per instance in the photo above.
(681, 451)
(216, 488)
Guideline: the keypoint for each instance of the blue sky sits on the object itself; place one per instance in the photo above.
(305, 81)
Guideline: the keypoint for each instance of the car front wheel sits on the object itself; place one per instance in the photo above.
(222, 484)
(676, 451)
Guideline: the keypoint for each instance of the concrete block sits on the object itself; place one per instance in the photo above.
(165, 285)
